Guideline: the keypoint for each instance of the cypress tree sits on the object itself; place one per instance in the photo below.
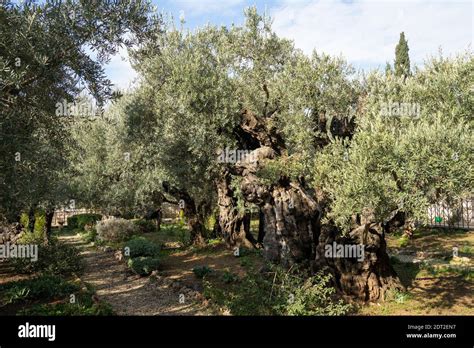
(402, 59)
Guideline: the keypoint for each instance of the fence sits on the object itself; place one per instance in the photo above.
(460, 215)
(170, 214)
(60, 216)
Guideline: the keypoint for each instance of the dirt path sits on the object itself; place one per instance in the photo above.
(129, 294)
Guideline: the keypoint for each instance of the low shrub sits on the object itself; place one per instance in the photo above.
(84, 305)
(42, 287)
(143, 265)
(301, 295)
(81, 220)
(202, 271)
(229, 277)
(53, 258)
(89, 235)
(278, 292)
(39, 232)
(116, 230)
(140, 246)
(145, 226)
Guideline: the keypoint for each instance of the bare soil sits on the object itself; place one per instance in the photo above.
(130, 294)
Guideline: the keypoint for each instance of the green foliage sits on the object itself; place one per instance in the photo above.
(90, 235)
(403, 162)
(42, 287)
(399, 296)
(210, 222)
(184, 237)
(202, 271)
(84, 306)
(116, 230)
(145, 226)
(144, 265)
(404, 241)
(140, 246)
(37, 77)
(54, 258)
(81, 220)
(36, 236)
(402, 59)
(278, 292)
(307, 295)
(229, 277)
(69, 309)
(24, 220)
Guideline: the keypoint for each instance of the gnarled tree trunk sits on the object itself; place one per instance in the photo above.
(195, 225)
(290, 214)
(368, 278)
(292, 230)
(234, 225)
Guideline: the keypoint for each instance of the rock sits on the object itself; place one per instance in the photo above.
(10, 232)
(119, 255)
(465, 261)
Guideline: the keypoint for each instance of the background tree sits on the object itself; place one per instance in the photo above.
(51, 52)
(402, 58)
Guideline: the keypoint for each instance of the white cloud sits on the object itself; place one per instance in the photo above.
(119, 70)
(366, 32)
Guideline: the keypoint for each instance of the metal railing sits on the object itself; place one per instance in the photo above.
(459, 215)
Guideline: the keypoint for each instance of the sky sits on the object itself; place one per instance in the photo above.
(364, 32)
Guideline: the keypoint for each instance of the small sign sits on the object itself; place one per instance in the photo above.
(438, 219)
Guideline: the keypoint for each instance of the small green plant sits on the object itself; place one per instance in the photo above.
(85, 305)
(143, 266)
(403, 241)
(42, 287)
(140, 246)
(229, 277)
(214, 241)
(400, 296)
(466, 249)
(17, 294)
(89, 235)
(202, 271)
(184, 237)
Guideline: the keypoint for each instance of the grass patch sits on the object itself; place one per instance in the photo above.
(84, 305)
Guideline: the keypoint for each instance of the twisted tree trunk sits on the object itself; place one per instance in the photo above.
(234, 225)
(290, 214)
(292, 230)
(367, 276)
(194, 222)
